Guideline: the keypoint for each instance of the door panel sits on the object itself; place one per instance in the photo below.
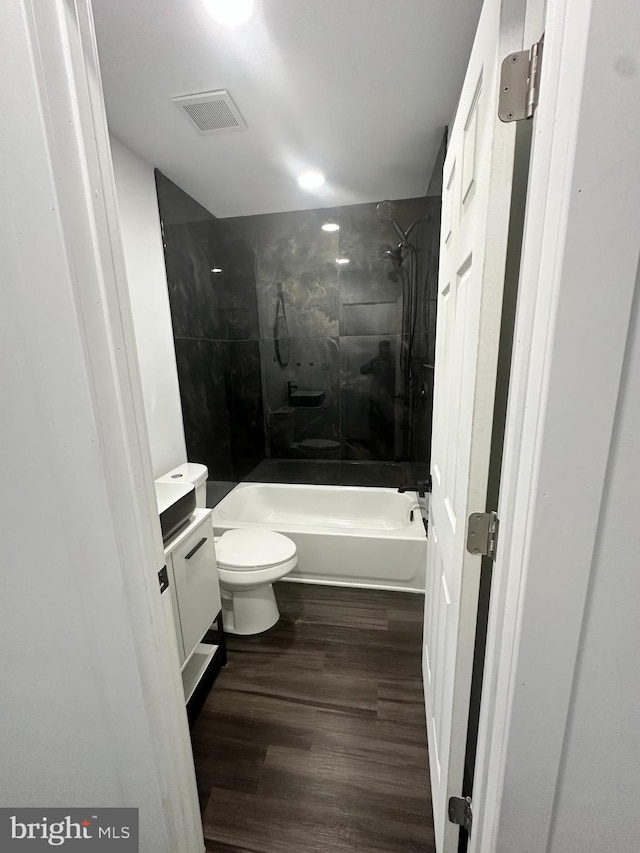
(476, 202)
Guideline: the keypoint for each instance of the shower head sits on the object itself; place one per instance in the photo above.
(385, 211)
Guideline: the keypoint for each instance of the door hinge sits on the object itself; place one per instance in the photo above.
(460, 812)
(163, 579)
(520, 83)
(482, 533)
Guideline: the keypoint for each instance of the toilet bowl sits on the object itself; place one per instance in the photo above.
(249, 562)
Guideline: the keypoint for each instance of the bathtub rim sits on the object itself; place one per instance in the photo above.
(412, 530)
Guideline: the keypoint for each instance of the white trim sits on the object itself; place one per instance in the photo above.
(518, 461)
(557, 440)
(65, 69)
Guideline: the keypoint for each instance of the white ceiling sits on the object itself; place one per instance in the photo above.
(360, 89)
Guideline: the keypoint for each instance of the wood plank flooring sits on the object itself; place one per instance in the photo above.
(313, 738)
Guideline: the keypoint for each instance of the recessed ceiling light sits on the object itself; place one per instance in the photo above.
(342, 260)
(216, 269)
(311, 180)
(232, 13)
(330, 226)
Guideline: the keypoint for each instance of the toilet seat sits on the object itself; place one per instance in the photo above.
(248, 550)
(249, 563)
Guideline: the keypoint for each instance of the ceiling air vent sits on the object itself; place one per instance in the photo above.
(211, 112)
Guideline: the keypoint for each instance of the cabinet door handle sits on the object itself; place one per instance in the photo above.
(196, 548)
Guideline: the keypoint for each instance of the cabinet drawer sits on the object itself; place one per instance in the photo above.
(196, 585)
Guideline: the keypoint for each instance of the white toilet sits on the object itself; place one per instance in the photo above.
(249, 562)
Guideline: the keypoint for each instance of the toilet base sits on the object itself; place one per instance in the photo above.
(249, 611)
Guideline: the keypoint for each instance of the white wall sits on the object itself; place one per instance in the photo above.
(598, 787)
(144, 259)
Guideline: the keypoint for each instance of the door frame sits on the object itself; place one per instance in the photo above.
(60, 50)
(556, 442)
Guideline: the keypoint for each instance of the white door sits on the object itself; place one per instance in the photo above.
(558, 739)
(475, 218)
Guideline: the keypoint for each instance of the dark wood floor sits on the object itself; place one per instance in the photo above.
(313, 738)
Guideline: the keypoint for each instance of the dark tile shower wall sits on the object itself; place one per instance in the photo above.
(216, 332)
(345, 341)
(345, 332)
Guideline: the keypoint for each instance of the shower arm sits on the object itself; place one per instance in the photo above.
(385, 212)
(413, 225)
(401, 234)
(404, 235)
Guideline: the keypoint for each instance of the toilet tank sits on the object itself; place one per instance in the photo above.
(190, 472)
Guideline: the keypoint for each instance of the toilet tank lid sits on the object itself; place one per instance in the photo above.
(189, 472)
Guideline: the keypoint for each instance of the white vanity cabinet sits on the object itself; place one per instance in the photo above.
(195, 597)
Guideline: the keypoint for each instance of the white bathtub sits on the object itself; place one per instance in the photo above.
(345, 535)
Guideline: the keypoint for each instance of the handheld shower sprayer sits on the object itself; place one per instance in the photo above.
(282, 345)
